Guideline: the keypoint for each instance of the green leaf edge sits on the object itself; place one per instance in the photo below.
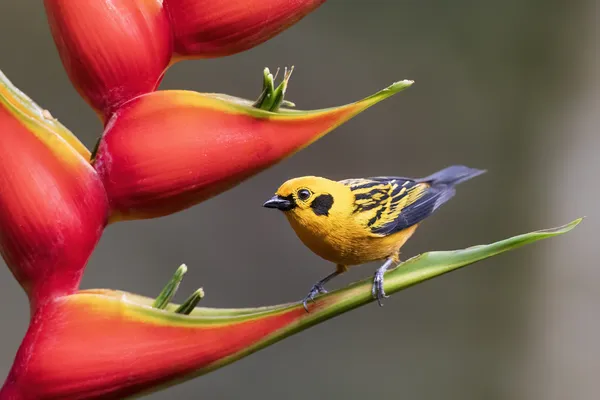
(246, 106)
(408, 273)
(415, 270)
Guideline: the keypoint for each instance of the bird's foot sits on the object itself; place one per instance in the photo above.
(316, 290)
(377, 291)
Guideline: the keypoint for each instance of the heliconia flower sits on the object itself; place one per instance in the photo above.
(214, 28)
(168, 150)
(104, 344)
(112, 50)
(52, 203)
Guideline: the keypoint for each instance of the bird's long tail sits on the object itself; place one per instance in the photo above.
(452, 175)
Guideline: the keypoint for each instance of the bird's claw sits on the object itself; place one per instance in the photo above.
(316, 290)
(377, 290)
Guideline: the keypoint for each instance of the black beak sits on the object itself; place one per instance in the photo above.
(280, 203)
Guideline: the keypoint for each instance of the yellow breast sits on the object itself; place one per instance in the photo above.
(345, 241)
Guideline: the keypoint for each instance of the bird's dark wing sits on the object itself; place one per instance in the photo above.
(391, 204)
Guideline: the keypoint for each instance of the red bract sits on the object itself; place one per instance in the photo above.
(113, 50)
(52, 204)
(169, 150)
(105, 345)
(116, 50)
(214, 28)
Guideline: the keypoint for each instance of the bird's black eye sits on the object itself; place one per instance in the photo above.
(303, 194)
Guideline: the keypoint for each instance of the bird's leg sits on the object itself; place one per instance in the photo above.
(318, 287)
(377, 290)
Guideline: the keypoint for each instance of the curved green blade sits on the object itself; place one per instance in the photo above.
(411, 272)
(247, 330)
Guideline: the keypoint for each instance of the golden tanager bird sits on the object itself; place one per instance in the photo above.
(355, 221)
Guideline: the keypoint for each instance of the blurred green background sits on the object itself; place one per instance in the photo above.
(511, 86)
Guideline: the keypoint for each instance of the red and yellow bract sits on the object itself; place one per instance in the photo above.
(116, 50)
(53, 206)
(169, 150)
(105, 345)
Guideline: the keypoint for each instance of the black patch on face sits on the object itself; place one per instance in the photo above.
(321, 204)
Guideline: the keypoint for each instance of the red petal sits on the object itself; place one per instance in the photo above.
(167, 151)
(213, 28)
(52, 204)
(91, 346)
(113, 50)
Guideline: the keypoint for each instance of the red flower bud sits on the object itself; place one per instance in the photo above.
(169, 150)
(113, 50)
(52, 204)
(214, 28)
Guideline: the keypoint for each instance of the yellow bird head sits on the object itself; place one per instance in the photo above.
(309, 196)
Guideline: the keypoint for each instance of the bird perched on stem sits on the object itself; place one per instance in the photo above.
(355, 221)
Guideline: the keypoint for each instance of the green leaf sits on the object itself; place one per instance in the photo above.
(429, 265)
(411, 272)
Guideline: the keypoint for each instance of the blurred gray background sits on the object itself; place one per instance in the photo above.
(511, 86)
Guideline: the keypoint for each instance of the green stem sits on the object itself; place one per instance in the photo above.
(411, 272)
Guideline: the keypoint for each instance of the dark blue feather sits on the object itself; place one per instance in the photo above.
(441, 189)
